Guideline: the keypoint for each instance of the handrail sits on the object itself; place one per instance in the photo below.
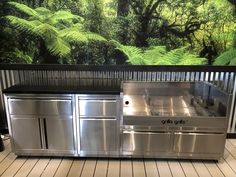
(174, 68)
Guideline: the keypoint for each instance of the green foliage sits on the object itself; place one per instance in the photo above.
(15, 56)
(71, 31)
(59, 30)
(151, 55)
(158, 55)
(226, 58)
(25, 9)
(134, 54)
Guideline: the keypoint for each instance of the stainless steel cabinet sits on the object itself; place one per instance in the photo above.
(99, 125)
(42, 125)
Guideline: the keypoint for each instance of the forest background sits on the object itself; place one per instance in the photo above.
(108, 32)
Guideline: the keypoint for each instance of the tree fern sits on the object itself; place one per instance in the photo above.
(59, 30)
(226, 58)
(23, 25)
(58, 46)
(134, 54)
(191, 59)
(43, 11)
(25, 9)
(158, 55)
(154, 54)
(73, 36)
(174, 56)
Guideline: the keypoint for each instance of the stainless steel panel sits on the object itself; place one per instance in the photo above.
(59, 134)
(198, 143)
(146, 142)
(26, 133)
(156, 88)
(98, 136)
(97, 108)
(188, 122)
(40, 107)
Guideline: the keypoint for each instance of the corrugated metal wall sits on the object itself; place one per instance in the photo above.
(223, 78)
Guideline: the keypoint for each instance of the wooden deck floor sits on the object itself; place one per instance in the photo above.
(10, 165)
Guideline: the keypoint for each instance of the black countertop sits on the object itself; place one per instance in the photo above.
(72, 86)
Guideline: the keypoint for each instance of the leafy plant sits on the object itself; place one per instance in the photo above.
(15, 56)
(226, 58)
(158, 55)
(134, 54)
(58, 31)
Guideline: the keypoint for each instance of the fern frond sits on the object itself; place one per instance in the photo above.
(73, 36)
(162, 62)
(63, 15)
(174, 56)
(25, 9)
(26, 58)
(58, 46)
(75, 27)
(46, 31)
(133, 54)
(233, 61)
(226, 57)
(154, 54)
(191, 59)
(24, 25)
(43, 11)
(115, 43)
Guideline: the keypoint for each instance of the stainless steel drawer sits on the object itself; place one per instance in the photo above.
(105, 108)
(40, 107)
(142, 142)
(199, 143)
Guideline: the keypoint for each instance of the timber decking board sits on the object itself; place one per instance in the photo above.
(11, 165)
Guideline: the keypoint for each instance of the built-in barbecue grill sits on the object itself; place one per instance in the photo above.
(174, 119)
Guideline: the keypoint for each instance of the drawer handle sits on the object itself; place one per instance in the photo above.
(40, 134)
(45, 132)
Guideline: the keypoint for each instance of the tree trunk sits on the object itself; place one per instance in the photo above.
(233, 2)
(234, 39)
(122, 12)
(123, 8)
(142, 34)
(46, 56)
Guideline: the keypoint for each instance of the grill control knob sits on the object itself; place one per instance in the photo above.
(126, 102)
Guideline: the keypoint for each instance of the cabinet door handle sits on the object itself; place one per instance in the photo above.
(40, 133)
(45, 133)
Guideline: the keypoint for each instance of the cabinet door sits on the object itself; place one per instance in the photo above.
(98, 136)
(59, 134)
(26, 133)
